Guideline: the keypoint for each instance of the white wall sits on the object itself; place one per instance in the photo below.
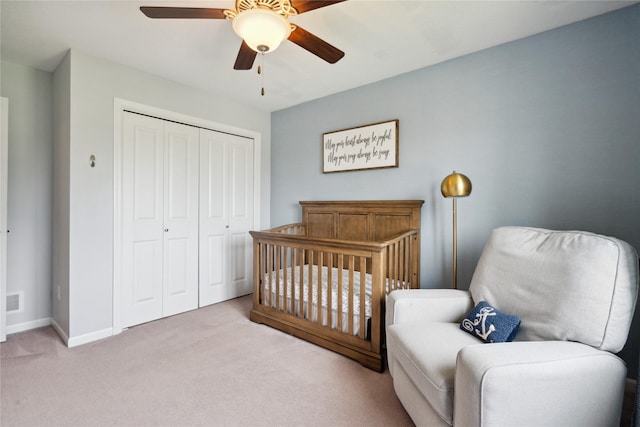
(94, 83)
(29, 247)
(61, 124)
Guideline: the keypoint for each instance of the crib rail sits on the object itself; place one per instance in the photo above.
(297, 229)
(290, 269)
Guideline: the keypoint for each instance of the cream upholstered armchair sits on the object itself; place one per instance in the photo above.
(574, 294)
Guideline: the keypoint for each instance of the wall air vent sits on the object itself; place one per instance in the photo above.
(14, 302)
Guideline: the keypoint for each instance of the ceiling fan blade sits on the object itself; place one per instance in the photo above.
(316, 45)
(245, 58)
(182, 12)
(307, 5)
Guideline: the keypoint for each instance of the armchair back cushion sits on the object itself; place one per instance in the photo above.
(564, 285)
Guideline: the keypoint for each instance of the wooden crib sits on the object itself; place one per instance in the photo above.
(326, 279)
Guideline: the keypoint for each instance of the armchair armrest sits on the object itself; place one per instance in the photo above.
(434, 305)
(553, 383)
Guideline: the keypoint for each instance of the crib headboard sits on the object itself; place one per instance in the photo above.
(362, 220)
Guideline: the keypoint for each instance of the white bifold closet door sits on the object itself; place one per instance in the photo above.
(160, 218)
(226, 216)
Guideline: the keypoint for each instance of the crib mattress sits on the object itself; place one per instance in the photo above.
(293, 295)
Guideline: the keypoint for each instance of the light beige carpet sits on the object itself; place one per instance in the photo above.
(208, 367)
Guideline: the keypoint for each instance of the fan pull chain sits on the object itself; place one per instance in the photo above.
(261, 73)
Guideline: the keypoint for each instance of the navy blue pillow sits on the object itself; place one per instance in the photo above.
(490, 324)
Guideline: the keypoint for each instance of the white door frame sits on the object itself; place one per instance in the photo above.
(119, 106)
(4, 164)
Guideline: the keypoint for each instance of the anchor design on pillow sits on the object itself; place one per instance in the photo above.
(481, 319)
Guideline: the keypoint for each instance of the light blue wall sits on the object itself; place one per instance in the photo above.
(547, 128)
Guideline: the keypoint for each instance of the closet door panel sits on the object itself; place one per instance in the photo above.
(217, 183)
(175, 271)
(241, 257)
(211, 286)
(146, 276)
(226, 216)
(239, 202)
(241, 175)
(180, 218)
(142, 220)
(214, 190)
(241, 214)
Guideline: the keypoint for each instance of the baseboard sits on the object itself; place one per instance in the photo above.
(82, 339)
(90, 337)
(32, 324)
(60, 331)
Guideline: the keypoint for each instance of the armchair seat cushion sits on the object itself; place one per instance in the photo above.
(430, 367)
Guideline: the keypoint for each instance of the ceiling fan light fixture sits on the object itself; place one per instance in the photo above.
(262, 30)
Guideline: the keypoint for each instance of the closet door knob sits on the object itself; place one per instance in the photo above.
(166, 230)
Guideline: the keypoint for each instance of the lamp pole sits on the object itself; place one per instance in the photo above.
(455, 243)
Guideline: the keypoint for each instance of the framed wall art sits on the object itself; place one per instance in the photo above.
(371, 146)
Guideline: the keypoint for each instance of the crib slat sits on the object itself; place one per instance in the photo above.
(390, 272)
(319, 282)
(301, 285)
(309, 287)
(363, 292)
(294, 272)
(340, 284)
(268, 300)
(403, 267)
(330, 290)
(292, 307)
(407, 267)
(285, 279)
(414, 282)
(259, 273)
(398, 262)
(278, 265)
(398, 267)
(351, 288)
(379, 273)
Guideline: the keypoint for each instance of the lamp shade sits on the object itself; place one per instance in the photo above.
(263, 30)
(456, 185)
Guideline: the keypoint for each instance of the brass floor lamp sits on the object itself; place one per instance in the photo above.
(453, 186)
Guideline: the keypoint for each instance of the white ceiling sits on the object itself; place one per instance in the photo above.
(380, 39)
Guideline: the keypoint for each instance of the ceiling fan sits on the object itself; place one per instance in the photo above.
(262, 25)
